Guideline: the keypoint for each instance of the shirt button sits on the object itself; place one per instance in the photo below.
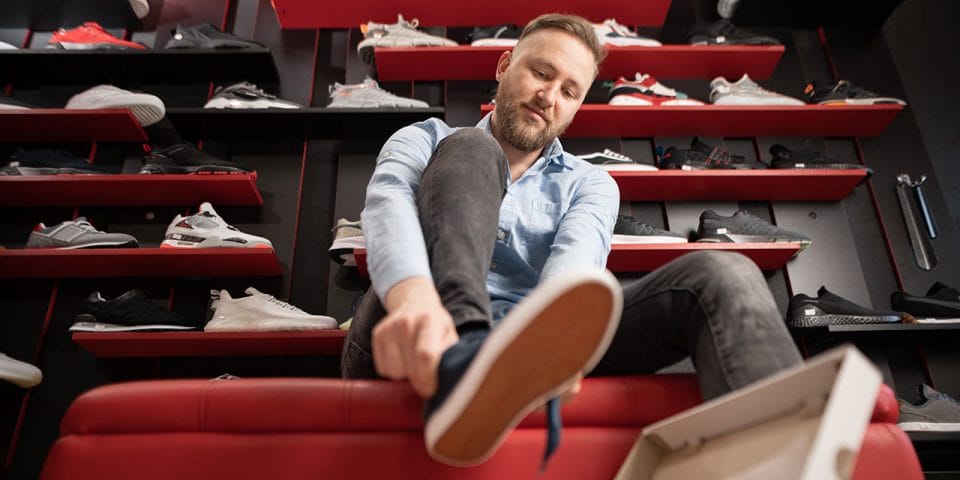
(501, 234)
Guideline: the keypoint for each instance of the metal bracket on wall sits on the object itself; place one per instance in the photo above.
(923, 252)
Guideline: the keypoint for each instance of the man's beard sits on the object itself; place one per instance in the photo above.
(518, 132)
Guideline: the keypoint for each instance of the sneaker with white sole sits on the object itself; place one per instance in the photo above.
(21, 374)
(629, 230)
(77, 233)
(207, 229)
(369, 95)
(644, 90)
(611, 160)
(347, 236)
(246, 95)
(747, 92)
(612, 33)
(505, 35)
(260, 312)
(938, 412)
(401, 34)
(491, 379)
(130, 312)
(148, 109)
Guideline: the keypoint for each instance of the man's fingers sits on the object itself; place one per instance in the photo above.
(389, 343)
(424, 358)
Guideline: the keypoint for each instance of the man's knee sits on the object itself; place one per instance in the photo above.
(729, 268)
(471, 138)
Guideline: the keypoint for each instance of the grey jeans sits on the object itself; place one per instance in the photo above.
(712, 306)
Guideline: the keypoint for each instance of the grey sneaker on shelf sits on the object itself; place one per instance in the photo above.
(401, 34)
(742, 227)
(347, 236)
(369, 95)
(78, 233)
(938, 413)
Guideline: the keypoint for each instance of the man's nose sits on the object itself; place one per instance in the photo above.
(548, 95)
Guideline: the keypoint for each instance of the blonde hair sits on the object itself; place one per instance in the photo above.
(573, 24)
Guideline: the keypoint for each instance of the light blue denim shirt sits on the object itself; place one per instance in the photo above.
(559, 214)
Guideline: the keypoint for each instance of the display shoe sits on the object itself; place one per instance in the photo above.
(206, 35)
(612, 33)
(130, 312)
(940, 302)
(185, 158)
(629, 230)
(77, 233)
(369, 95)
(260, 312)
(244, 95)
(644, 90)
(747, 92)
(844, 92)
(938, 412)
(702, 156)
(505, 35)
(148, 109)
(723, 32)
(207, 229)
(21, 374)
(742, 227)
(401, 34)
(347, 236)
(828, 308)
(90, 36)
(47, 161)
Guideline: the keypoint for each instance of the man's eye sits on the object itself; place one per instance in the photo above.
(570, 93)
(540, 74)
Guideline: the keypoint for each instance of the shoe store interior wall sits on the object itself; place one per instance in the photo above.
(312, 166)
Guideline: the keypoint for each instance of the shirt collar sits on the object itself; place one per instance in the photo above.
(553, 153)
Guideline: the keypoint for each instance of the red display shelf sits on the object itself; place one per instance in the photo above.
(668, 61)
(138, 262)
(62, 125)
(336, 14)
(601, 120)
(116, 190)
(211, 344)
(644, 258)
(679, 185)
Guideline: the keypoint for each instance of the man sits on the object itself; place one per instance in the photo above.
(462, 225)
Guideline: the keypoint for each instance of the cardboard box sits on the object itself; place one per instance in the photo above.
(804, 423)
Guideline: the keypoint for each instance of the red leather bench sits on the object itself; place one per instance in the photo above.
(297, 428)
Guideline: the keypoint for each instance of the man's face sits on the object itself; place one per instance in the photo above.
(542, 85)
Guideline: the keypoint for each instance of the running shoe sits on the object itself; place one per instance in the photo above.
(612, 33)
(742, 227)
(644, 90)
(369, 95)
(747, 92)
(940, 302)
(629, 230)
(401, 34)
(260, 312)
(828, 308)
(185, 158)
(701, 156)
(245, 95)
(844, 92)
(207, 229)
(130, 312)
(77, 233)
(505, 35)
(206, 35)
(784, 157)
(90, 36)
(723, 32)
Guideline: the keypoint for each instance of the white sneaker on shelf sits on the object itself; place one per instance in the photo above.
(260, 312)
(141, 8)
(369, 95)
(612, 33)
(148, 109)
(400, 34)
(347, 236)
(21, 374)
(207, 229)
(746, 92)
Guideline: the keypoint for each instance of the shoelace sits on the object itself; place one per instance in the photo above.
(554, 426)
(610, 153)
(85, 225)
(282, 304)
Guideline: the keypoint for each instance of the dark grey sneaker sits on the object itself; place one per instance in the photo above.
(742, 227)
(185, 158)
(938, 413)
(245, 95)
(629, 230)
(206, 35)
(46, 161)
(78, 233)
(828, 308)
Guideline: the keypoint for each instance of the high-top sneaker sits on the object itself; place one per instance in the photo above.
(207, 229)
(347, 236)
(90, 36)
(401, 34)
(369, 95)
(645, 90)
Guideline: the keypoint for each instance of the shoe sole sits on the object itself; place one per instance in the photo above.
(150, 169)
(804, 321)
(41, 171)
(535, 353)
(267, 324)
(93, 326)
(221, 103)
(643, 239)
(757, 101)
(864, 101)
(731, 238)
(366, 47)
(366, 104)
(929, 427)
(92, 46)
(147, 109)
(495, 42)
(126, 244)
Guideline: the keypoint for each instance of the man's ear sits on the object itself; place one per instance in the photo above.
(503, 63)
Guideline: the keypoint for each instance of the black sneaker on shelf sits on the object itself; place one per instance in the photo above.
(742, 227)
(129, 312)
(702, 156)
(940, 302)
(185, 158)
(939, 412)
(505, 35)
(844, 92)
(10, 103)
(206, 35)
(723, 32)
(629, 230)
(784, 157)
(828, 308)
(46, 161)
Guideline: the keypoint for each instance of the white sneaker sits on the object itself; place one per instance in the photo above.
(21, 374)
(347, 236)
(7, 46)
(140, 8)
(147, 109)
(612, 33)
(206, 229)
(746, 92)
(400, 34)
(368, 95)
(260, 312)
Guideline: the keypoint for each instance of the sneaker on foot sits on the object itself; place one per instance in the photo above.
(746, 92)
(130, 312)
(260, 312)
(843, 92)
(940, 302)
(612, 33)
(644, 90)
(77, 233)
(148, 109)
(401, 34)
(347, 236)
(629, 230)
(185, 158)
(246, 95)
(368, 95)
(702, 156)
(828, 308)
(21, 374)
(90, 36)
(938, 413)
(742, 227)
(723, 32)
(206, 35)
(505, 35)
(490, 380)
(47, 161)
(207, 229)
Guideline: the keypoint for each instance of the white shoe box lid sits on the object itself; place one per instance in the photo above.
(803, 423)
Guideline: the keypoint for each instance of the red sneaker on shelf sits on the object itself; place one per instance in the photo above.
(90, 36)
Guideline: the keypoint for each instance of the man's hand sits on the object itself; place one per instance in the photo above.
(408, 342)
